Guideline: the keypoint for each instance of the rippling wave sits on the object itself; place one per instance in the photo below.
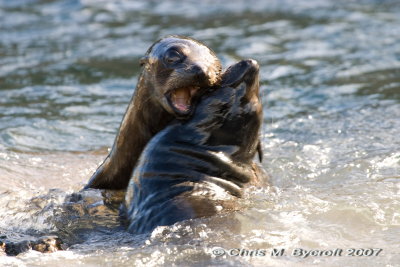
(330, 76)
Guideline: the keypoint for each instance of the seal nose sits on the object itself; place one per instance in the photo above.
(198, 72)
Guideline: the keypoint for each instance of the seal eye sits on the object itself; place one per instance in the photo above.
(172, 56)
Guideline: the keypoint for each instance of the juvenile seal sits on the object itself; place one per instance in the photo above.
(193, 169)
(176, 70)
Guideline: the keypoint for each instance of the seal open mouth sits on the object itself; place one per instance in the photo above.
(181, 99)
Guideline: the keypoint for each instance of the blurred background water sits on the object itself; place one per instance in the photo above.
(330, 80)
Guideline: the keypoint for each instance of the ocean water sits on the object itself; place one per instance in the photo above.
(330, 84)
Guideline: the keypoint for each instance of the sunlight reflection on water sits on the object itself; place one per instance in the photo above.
(330, 77)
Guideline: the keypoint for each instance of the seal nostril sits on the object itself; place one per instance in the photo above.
(198, 72)
(195, 69)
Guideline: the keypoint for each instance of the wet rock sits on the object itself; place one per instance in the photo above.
(87, 209)
(13, 249)
(75, 208)
(44, 244)
(94, 202)
(48, 244)
(40, 202)
(85, 197)
(113, 197)
(70, 216)
(2, 248)
(75, 197)
(98, 209)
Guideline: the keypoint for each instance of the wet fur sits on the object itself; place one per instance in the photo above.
(195, 168)
(148, 112)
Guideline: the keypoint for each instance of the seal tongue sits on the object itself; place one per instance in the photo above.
(181, 99)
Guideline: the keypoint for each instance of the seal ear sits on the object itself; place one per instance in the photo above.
(143, 60)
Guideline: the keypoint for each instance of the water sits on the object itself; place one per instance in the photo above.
(330, 76)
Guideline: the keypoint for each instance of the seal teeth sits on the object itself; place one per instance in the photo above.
(193, 90)
(181, 99)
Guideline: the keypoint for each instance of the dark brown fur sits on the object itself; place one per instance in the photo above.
(149, 111)
(199, 167)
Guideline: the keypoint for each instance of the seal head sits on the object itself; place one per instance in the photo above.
(180, 69)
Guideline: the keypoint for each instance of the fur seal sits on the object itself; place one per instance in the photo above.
(176, 70)
(197, 167)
